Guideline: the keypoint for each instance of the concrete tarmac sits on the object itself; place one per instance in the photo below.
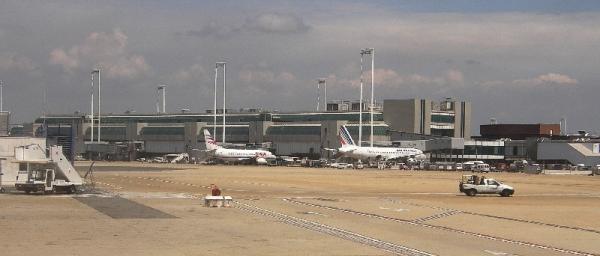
(156, 209)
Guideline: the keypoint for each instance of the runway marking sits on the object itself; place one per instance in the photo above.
(449, 229)
(437, 216)
(333, 231)
(497, 253)
(501, 217)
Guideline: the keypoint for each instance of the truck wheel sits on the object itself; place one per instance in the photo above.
(471, 192)
(506, 193)
(1, 190)
(71, 190)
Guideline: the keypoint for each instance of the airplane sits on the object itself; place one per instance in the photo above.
(350, 149)
(235, 155)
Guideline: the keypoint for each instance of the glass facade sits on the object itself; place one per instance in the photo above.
(377, 130)
(442, 132)
(484, 150)
(442, 119)
(294, 130)
(105, 131)
(162, 131)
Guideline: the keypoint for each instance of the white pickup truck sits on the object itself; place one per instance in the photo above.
(472, 185)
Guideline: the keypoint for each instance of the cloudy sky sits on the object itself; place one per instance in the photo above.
(516, 61)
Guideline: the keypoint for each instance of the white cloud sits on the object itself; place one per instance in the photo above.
(16, 62)
(556, 79)
(277, 23)
(265, 76)
(107, 51)
(391, 78)
(194, 72)
(266, 23)
(549, 79)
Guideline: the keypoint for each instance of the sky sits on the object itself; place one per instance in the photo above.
(515, 61)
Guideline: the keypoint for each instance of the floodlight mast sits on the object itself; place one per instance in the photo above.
(318, 94)
(1, 96)
(360, 119)
(215, 104)
(319, 82)
(92, 111)
(372, 90)
(371, 103)
(163, 88)
(164, 99)
(99, 102)
(222, 63)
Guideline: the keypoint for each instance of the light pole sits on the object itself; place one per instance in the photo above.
(92, 111)
(324, 82)
(360, 101)
(1, 96)
(222, 63)
(318, 94)
(372, 90)
(215, 103)
(99, 102)
(371, 103)
(162, 88)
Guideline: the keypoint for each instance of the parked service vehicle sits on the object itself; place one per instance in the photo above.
(46, 174)
(343, 166)
(43, 180)
(472, 185)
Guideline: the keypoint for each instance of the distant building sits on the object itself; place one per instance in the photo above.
(295, 133)
(448, 118)
(518, 131)
(4, 123)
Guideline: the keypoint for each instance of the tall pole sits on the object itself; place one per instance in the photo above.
(215, 103)
(224, 78)
(321, 81)
(325, 84)
(99, 102)
(92, 111)
(372, 91)
(318, 94)
(360, 102)
(157, 100)
(1, 102)
(164, 99)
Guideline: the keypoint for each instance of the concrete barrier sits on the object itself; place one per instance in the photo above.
(217, 201)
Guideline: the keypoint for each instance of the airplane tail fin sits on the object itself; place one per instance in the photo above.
(345, 137)
(209, 141)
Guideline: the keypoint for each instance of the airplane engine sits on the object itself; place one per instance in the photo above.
(261, 161)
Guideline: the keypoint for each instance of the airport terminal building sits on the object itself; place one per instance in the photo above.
(440, 128)
(128, 136)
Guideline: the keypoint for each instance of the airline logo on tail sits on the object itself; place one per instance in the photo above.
(345, 137)
(209, 141)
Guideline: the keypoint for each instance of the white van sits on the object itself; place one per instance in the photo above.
(480, 167)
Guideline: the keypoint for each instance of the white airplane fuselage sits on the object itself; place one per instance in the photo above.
(235, 155)
(229, 155)
(364, 153)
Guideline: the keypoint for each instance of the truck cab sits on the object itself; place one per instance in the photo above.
(472, 185)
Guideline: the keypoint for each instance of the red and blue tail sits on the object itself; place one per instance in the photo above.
(345, 137)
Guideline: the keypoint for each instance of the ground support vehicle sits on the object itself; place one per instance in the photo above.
(45, 173)
(472, 185)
